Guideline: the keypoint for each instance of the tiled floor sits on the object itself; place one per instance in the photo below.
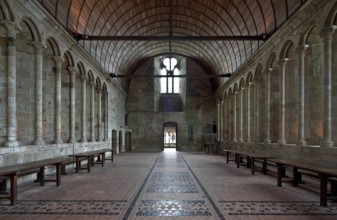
(167, 185)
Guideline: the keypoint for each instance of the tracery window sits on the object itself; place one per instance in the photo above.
(169, 68)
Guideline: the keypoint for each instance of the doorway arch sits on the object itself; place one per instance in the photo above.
(120, 141)
(114, 140)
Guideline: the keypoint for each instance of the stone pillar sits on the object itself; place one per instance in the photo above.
(248, 112)
(327, 36)
(241, 114)
(72, 73)
(99, 118)
(282, 139)
(225, 110)
(234, 117)
(92, 113)
(11, 84)
(218, 121)
(221, 120)
(84, 106)
(106, 110)
(58, 94)
(38, 93)
(257, 112)
(301, 94)
(267, 107)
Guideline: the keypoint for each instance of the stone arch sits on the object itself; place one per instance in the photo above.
(6, 11)
(34, 31)
(114, 140)
(332, 16)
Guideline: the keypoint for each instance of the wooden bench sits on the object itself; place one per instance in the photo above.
(89, 157)
(323, 173)
(250, 157)
(15, 170)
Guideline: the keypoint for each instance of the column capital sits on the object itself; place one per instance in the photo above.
(58, 60)
(12, 28)
(83, 77)
(72, 70)
(300, 49)
(282, 61)
(327, 32)
(39, 46)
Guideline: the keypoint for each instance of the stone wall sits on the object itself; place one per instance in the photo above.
(54, 99)
(283, 100)
(146, 114)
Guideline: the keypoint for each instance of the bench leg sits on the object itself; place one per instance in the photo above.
(296, 176)
(323, 186)
(90, 162)
(14, 189)
(253, 165)
(279, 175)
(112, 156)
(58, 174)
(77, 164)
(42, 175)
(227, 157)
(264, 166)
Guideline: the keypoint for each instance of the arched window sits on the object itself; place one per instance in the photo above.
(169, 68)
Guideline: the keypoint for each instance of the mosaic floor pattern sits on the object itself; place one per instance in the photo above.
(169, 185)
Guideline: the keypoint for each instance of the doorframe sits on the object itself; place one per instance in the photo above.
(170, 124)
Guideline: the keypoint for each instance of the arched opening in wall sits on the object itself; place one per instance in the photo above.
(114, 140)
(120, 141)
(128, 141)
(170, 133)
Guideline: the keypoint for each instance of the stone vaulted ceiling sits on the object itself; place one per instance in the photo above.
(218, 34)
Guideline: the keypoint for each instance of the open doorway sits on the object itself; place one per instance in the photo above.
(170, 133)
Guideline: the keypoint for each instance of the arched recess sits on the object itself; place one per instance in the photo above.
(128, 141)
(235, 112)
(65, 96)
(98, 111)
(78, 100)
(225, 115)
(51, 51)
(120, 141)
(90, 106)
(114, 140)
(288, 55)
(313, 79)
(274, 97)
(26, 74)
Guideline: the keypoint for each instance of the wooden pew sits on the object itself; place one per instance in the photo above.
(15, 170)
(322, 172)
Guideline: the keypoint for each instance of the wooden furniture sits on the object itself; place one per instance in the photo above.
(323, 173)
(250, 157)
(89, 156)
(15, 170)
(112, 155)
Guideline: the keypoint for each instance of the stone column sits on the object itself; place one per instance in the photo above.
(106, 110)
(301, 94)
(58, 88)
(221, 120)
(38, 92)
(248, 112)
(282, 139)
(218, 121)
(84, 106)
(267, 107)
(241, 114)
(11, 84)
(234, 117)
(225, 107)
(92, 113)
(257, 112)
(72, 73)
(99, 117)
(327, 134)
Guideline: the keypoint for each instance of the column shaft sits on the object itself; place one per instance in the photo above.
(282, 140)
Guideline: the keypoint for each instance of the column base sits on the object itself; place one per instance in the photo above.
(282, 142)
(84, 141)
(71, 140)
(39, 142)
(58, 141)
(267, 141)
(93, 140)
(11, 144)
(327, 144)
(301, 143)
